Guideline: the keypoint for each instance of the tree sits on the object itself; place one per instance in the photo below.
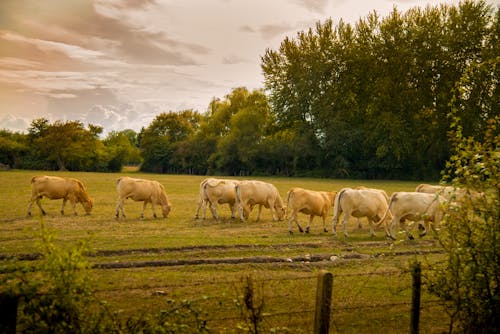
(121, 150)
(370, 100)
(160, 140)
(468, 280)
(249, 119)
(67, 144)
(12, 147)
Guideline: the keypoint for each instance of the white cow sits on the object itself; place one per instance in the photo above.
(415, 206)
(309, 202)
(216, 191)
(369, 203)
(251, 193)
(65, 188)
(366, 188)
(141, 190)
(451, 193)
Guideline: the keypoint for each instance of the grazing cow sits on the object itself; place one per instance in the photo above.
(309, 202)
(365, 188)
(216, 191)
(415, 206)
(140, 190)
(450, 193)
(369, 203)
(54, 187)
(251, 193)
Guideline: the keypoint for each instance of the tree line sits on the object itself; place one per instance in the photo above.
(363, 100)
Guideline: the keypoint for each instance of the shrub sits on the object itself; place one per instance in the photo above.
(468, 280)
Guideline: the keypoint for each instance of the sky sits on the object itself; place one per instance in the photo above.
(120, 63)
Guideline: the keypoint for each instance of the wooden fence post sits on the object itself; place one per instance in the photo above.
(8, 313)
(323, 303)
(416, 272)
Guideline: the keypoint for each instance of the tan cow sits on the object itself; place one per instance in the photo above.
(366, 188)
(216, 191)
(415, 206)
(141, 190)
(369, 203)
(451, 193)
(251, 193)
(54, 187)
(309, 202)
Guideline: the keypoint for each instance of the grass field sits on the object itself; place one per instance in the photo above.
(148, 261)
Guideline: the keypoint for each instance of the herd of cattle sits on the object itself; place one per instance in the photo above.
(426, 204)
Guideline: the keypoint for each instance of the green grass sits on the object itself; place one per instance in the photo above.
(289, 287)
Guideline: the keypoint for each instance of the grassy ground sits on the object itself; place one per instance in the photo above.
(371, 286)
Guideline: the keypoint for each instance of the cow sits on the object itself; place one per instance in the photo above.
(251, 193)
(141, 190)
(55, 187)
(216, 191)
(369, 203)
(309, 202)
(451, 193)
(415, 206)
(366, 188)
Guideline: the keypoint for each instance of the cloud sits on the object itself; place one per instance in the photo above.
(14, 123)
(270, 31)
(317, 6)
(232, 59)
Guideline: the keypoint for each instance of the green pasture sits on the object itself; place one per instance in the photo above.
(371, 285)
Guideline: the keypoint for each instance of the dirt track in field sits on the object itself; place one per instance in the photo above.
(346, 253)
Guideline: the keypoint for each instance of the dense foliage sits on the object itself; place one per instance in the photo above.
(367, 100)
(468, 280)
(372, 98)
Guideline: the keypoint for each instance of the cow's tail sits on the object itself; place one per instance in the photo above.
(336, 206)
(391, 199)
(289, 195)
(237, 200)
(237, 195)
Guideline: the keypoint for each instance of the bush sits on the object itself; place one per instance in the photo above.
(468, 280)
(56, 296)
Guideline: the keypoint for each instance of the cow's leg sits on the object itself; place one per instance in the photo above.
(233, 210)
(371, 223)
(38, 198)
(119, 206)
(204, 209)
(344, 224)
(324, 223)
(293, 218)
(72, 201)
(30, 205)
(308, 227)
(152, 209)
(408, 233)
(197, 214)
(335, 221)
(213, 209)
(241, 210)
(260, 211)
(394, 221)
(360, 226)
(425, 229)
(273, 210)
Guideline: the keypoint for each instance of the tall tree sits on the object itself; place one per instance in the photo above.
(68, 144)
(160, 140)
(371, 100)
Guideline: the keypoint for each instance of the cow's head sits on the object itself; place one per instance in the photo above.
(281, 212)
(87, 206)
(165, 209)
